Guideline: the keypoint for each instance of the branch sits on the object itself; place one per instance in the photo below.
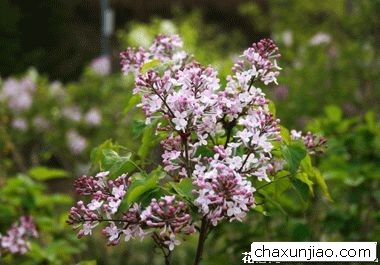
(202, 238)
(161, 246)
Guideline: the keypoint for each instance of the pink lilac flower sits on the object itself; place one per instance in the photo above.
(165, 48)
(170, 217)
(223, 193)
(195, 112)
(40, 123)
(101, 65)
(72, 113)
(75, 142)
(20, 124)
(165, 217)
(312, 142)
(18, 93)
(191, 100)
(16, 238)
(132, 59)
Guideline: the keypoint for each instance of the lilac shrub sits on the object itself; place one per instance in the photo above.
(218, 142)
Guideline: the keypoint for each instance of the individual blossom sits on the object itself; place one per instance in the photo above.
(164, 46)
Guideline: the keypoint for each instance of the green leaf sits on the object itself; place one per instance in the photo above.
(272, 108)
(293, 155)
(285, 134)
(133, 101)
(149, 65)
(322, 184)
(44, 173)
(96, 155)
(370, 118)
(301, 188)
(148, 141)
(141, 184)
(305, 179)
(138, 127)
(306, 165)
(106, 156)
(116, 164)
(184, 188)
(203, 151)
(333, 113)
(270, 200)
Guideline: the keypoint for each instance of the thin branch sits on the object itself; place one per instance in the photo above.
(160, 245)
(244, 162)
(163, 100)
(212, 139)
(188, 169)
(202, 238)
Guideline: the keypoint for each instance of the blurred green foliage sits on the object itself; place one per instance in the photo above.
(23, 195)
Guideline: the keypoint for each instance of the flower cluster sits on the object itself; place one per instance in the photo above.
(15, 239)
(18, 93)
(163, 218)
(313, 143)
(92, 118)
(259, 62)
(233, 123)
(222, 192)
(34, 107)
(165, 48)
(189, 97)
(170, 216)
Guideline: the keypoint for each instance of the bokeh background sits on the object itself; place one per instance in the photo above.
(61, 94)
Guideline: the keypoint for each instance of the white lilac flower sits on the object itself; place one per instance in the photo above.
(72, 113)
(320, 38)
(93, 117)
